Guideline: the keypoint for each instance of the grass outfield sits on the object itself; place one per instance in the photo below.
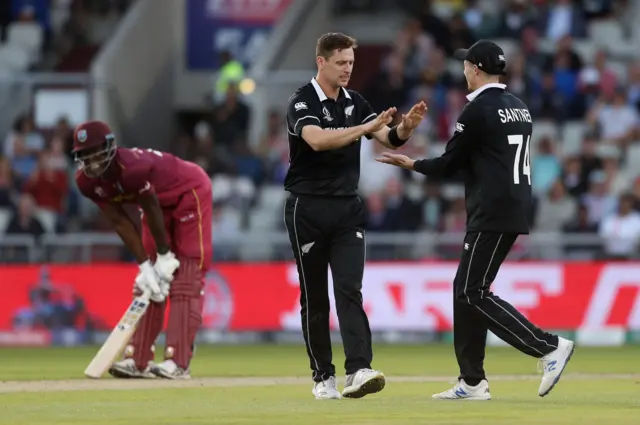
(271, 385)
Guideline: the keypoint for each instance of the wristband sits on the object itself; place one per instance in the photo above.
(164, 256)
(394, 140)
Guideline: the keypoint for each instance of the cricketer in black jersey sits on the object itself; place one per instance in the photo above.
(324, 216)
(333, 172)
(491, 144)
(491, 147)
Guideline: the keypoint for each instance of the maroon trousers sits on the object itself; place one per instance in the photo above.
(188, 228)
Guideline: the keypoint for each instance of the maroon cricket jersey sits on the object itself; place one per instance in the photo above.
(135, 172)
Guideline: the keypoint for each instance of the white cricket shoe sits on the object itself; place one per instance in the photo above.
(168, 369)
(326, 390)
(553, 365)
(363, 382)
(126, 369)
(462, 391)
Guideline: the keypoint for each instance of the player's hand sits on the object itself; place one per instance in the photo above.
(148, 282)
(398, 160)
(165, 266)
(416, 114)
(384, 118)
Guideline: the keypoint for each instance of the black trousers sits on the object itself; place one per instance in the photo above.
(476, 309)
(328, 232)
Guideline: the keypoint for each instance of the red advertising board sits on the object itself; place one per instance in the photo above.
(398, 296)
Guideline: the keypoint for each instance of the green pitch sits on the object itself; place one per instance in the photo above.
(271, 385)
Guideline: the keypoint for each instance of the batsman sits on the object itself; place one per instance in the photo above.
(173, 248)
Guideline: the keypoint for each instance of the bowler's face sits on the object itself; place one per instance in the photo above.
(337, 69)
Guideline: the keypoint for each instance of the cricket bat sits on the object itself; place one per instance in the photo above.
(118, 339)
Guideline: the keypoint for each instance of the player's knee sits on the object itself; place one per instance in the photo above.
(188, 280)
(315, 304)
(348, 293)
(468, 296)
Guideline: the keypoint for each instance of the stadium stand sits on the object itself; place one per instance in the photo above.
(36, 191)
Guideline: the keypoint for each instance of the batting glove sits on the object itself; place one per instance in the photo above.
(148, 282)
(165, 266)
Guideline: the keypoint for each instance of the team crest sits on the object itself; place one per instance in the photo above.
(348, 111)
(82, 136)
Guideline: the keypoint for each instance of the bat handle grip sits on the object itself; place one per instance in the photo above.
(146, 294)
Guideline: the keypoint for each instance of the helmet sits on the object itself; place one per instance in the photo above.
(94, 147)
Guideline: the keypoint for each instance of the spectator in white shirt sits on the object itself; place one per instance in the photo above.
(562, 18)
(620, 231)
(616, 120)
(373, 177)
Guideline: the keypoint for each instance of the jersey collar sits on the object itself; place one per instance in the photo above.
(321, 94)
(477, 92)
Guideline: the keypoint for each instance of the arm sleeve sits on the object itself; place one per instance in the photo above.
(301, 113)
(138, 178)
(458, 148)
(87, 190)
(365, 112)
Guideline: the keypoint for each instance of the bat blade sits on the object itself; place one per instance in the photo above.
(118, 339)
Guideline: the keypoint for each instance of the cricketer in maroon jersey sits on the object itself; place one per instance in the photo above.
(175, 200)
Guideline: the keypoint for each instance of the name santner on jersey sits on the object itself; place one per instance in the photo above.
(514, 114)
(491, 145)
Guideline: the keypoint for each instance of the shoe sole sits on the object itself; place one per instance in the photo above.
(555, 381)
(463, 399)
(338, 397)
(372, 386)
(116, 373)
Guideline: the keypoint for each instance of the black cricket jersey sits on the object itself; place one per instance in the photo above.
(334, 172)
(491, 147)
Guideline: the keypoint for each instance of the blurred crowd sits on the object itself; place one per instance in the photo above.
(57, 308)
(37, 193)
(584, 182)
(45, 30)
(588, 186)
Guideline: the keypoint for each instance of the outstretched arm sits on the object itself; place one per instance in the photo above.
(166, 262)
(393, 138)
(155, 219)
(322, 139)
(456, 153)
(442, 166)
(127, 231)
(147, 280)
(139, 182)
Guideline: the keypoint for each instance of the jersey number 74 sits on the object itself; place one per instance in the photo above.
(518, 139)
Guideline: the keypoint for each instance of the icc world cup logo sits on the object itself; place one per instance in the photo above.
(218, 302)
